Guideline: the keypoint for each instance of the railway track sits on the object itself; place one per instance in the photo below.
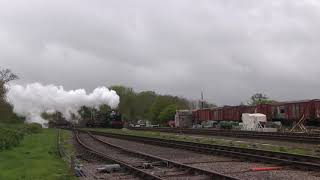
(313, 138)
(93, 153)
(284, 159)
(143, 165)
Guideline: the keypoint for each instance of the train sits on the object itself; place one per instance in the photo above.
(110, 119)
(60, 123)
(287, 113)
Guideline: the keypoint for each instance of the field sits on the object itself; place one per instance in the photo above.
(35, 158)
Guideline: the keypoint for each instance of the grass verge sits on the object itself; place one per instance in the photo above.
(34, 159)
(66, 137)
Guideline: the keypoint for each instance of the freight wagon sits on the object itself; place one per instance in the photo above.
(286, 112)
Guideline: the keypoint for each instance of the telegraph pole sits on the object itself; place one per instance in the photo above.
(202, 102)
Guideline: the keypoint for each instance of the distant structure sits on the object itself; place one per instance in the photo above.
(183, 119)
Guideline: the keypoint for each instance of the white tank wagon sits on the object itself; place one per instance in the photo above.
(255, 122)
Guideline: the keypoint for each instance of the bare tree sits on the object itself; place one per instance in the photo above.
(5, 76)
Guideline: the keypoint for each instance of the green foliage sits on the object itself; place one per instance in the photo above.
(9, 138)
(34, 159)
(127, 102)
(32, 128)
(162, 102)
(227, 124)
(259, 98)
(7, 115)
(6, 110)
(145, 99)
(145, 105)
(11, 135)
(104, 108)
(67, 138)
(85, 112)
(167, 114)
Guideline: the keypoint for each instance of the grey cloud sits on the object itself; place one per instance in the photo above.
(228, 49)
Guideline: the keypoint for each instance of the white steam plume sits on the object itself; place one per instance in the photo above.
(33, 99)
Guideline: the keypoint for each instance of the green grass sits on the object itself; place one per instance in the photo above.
(66, 136)
(34, 159)
(12, 134)
(209, 140)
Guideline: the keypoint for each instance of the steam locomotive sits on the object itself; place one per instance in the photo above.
(111, 119)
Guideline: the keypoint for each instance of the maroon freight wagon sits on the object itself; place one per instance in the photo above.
(202, 115)
(292, 111)
(287, 112)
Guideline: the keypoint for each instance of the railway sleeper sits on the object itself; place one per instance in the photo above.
(172, 164)
(252, 155)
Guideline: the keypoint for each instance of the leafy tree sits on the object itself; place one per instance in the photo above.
(159, 104)
(127, 102)
(85, 112)
(167, 114)
(259, 98)
(145, 105)
(6, 110)
(144, 101)
(162, 102)
(104, 108)
(5, 76)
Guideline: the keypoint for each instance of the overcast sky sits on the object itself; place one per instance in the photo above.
(229, 49)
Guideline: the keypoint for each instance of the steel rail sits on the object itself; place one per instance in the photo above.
(292, 137)
(292, 160)
(136, 171)
(211, 174)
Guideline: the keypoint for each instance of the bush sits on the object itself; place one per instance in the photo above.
(32, 128)
(9, 138)
(227, 124)
(11, 135)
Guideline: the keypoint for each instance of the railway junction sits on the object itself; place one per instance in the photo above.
(117, 154)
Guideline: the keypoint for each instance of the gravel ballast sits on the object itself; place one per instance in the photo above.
(232, 167)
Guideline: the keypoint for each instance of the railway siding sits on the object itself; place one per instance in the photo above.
(226, 165)
(135, 157)
(269, 145)
(304, 162)
(312, 138)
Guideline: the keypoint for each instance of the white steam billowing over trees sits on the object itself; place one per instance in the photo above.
(33, 99)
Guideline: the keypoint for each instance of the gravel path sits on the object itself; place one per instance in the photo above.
(230, 166)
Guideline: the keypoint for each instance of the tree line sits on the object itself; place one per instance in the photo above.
(148, 105)
(159, 109)
(134, 106)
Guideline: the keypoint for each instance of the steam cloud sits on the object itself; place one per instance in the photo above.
(33, 99)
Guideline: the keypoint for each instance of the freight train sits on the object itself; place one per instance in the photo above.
(111, 119)
(286, 112)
